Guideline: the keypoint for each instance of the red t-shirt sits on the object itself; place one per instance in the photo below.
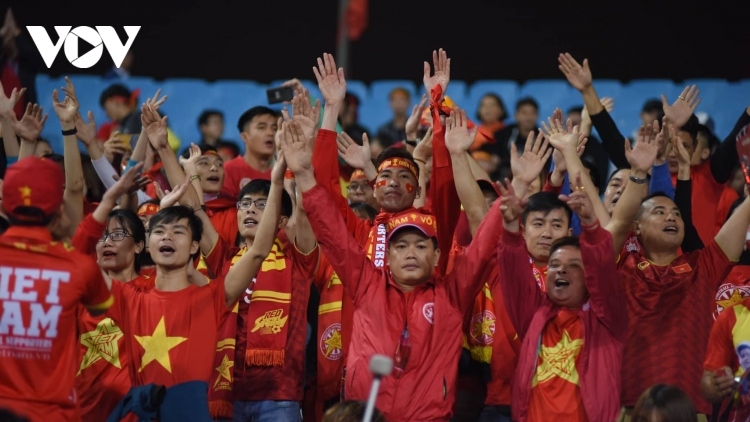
(170, 336)
(103, 378)
(669, 310)
(237, 174)
(704, 201)
(555, 388)
(729, 345)
(41, 285)
(279, 382)
(734, 289)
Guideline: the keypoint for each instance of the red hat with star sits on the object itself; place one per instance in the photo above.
(33, 190)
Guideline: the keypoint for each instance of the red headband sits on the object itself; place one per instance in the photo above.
(399, 163)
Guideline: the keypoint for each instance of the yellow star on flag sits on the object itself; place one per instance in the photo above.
(101, 343)
(224, 370)
(333, 343)
(732, 300)
(484, 327)
(157, 346)
(559, 360)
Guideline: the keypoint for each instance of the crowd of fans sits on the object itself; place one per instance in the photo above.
(504, 269)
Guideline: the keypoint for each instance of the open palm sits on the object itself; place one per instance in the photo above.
(331, 81)
(442, 75)
(356, 156)
(643, 155)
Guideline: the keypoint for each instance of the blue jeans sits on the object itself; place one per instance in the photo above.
(495, 414)
(267, 411)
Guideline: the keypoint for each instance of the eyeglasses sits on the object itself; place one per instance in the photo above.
(355, 187)
(115, 236)
(245, 204)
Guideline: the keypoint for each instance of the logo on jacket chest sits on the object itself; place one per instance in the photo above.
(729, 295)
(330, 342)
(428, 310)
(482, 328)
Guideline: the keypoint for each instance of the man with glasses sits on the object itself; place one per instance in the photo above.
(360, 190)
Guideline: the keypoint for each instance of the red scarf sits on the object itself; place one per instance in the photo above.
(334, 329)
(267, 316)
(220, 391)
(481, 327)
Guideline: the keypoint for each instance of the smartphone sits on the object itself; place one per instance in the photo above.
(280, 95)
(126, 141)
(743, 151)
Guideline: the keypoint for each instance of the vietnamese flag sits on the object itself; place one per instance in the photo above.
(356, 18)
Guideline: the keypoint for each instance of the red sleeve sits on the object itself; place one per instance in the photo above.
(470, 270)
(720, 351)
(96, 295)
(548, 187)
(87, 235)
(521, 294)
(219, 295)
(325, 162)
(347, 256)
(219, 257)
(305, 265)
(713, 264)
(322, 273)
(606, 296)
(231, 183)
(446, 207)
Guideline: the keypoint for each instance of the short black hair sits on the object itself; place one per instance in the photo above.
(250, 114)
(114, 90)
(263, 187)
(653, 105)
(657, 194)
(713, 141)
(133, 225)
(596, 179)
(368, 210)
(564, 241)
(204, 149)
(545, 202)
(174, 214)
(207, 114)
(396, 152)
(527, 101)
(503, 114)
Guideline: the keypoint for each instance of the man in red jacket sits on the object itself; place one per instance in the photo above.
(573, 336)
(404, 311)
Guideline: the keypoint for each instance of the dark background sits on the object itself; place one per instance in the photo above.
(268, 40)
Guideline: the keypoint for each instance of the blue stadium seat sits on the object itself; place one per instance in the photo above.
(374, 114)
(550, 94)
(507, 90)
(379, 90)
(629, 104)
(607, 88)
(728, 109)
(359, 89)
(234, 98)
(712, 91)
(186, 99)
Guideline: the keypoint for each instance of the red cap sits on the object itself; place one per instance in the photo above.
(33, 183)
(426, 223)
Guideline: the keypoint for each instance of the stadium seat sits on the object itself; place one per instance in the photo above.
(730, 107)
(374, 114)
(507, 90)
(550, 94)
(711, 92)
(359, 89)
(379, 90)
(607, 88)
(186, 99)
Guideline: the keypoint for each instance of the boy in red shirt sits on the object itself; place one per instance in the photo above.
(573, 335)
(42, 282)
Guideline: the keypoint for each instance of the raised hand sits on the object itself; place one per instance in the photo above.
(580, 203)
(642, 157)
(535, 154)
(296, 148)
(423, 150)
(357, 156)
(8, 103)
(511, 206)
(578, 76)
(86, 131)
(67, 109)
(565, 139)
(458, 139)
(156, 127)
(171, 198)
(412, 123)
(683, 107)
(608, 103)
(331, 81)
(126, 183)
(442, 75)
(190, 164)
(557, 157)
(303, 112)
(156, 101)
(279, 168)
(114, 146)
(30, 126)
(682, 154)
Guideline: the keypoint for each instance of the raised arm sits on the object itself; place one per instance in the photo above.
(66, 111)
(28, 128)
(7, 104)
(458, 139)
(640, 158)
(246, 268)
(731, 237)
(346, 255)
(683, 196)
(725, 158)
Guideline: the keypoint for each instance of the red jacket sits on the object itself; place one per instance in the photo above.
(604, 318)
(434, 313)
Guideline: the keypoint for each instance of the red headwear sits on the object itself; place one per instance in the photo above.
(33, 183)
(425, 223)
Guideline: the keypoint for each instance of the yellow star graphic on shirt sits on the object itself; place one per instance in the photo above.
(333, 343)
(559, 360)
(484, 327)
(157, 347)
(732, 300)
(101, 343)
(224, 370)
